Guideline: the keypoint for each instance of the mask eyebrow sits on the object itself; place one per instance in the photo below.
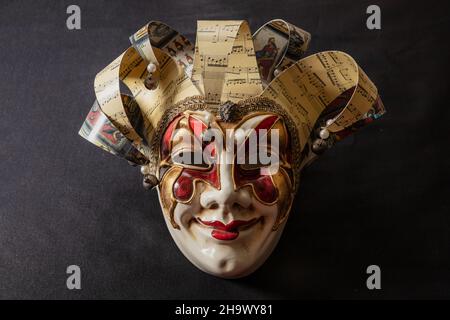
(167, 138)
(191, 145)
(197, 126)
(265, 121)
(255, 124)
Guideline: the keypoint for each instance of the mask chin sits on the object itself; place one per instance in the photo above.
(233, 259)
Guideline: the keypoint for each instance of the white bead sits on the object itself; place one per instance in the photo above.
(144, 170)
(329, 122)
(276, 72)
(324, 134)
(151, 68)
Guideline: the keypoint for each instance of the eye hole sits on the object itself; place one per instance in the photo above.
(190, 159)
(253, 160)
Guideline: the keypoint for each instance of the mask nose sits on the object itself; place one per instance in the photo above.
(226, 200)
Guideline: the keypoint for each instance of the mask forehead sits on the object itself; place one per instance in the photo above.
(200, 132)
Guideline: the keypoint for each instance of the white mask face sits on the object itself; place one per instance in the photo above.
(226, 216)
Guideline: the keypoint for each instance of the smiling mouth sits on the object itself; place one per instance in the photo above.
(229, 231)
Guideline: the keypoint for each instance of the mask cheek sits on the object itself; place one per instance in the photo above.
(180, 214)
(283, 183)
(262, 185)
(267, 211)
(184, 215)
(183, 188)
(265, 189)
(168, 201)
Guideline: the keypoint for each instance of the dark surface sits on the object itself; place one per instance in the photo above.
(381, 197)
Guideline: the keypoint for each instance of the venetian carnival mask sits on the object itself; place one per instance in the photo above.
(223, 129)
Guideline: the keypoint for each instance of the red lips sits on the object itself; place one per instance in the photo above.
(228, 231)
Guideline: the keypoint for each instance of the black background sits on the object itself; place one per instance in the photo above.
(381, 197)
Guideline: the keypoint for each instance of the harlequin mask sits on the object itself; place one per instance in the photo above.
(223, 129)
